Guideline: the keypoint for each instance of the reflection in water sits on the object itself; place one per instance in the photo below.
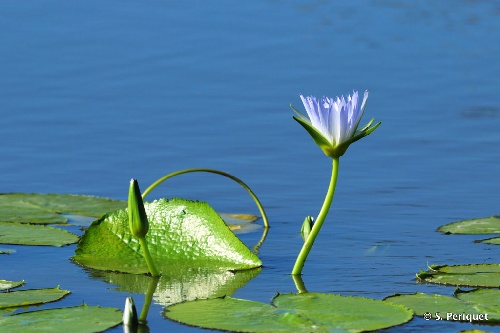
(181, 283)
(256, 247)
(299, 283)
(153, 284)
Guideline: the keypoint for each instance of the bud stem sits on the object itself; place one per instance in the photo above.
(147, 256)
(306, 248)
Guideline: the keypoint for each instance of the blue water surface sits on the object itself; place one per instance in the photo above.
(94, 93)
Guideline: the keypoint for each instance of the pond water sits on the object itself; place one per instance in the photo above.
(94, 93)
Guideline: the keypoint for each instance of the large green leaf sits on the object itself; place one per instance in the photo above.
(47, 208)
(487, 225)
(79, 319)
(477, 301)
(181, 233)
(309, 312)
(27, 234)
(30, 297)
(481, 275)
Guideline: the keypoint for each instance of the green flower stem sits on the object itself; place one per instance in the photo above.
(306, 248)
(148, 299)
(239, 181)
(147, 256)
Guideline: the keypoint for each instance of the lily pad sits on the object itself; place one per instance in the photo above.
(493, 241)
(240, 223)
(6, 285)
(486, 225)
(47, 208)
(291, 313)
(232, 218)
(481, 275)
(30, 297)
(74, 319)
(181, 233)
(477, 301)
(352, 314)
(27, 234)
(232, 314)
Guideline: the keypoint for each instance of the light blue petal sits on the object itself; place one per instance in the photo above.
(333, 122)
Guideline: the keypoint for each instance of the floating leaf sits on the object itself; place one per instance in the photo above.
(474, 302)
(487, 225)
(291, 313)
(482, 275)
(352, 314)
(47, 208)
(80, 319)
(232, 218)
(6, 285)
(493, 241)
(181, 233)
(27, 234)
(231, 314)
(424, 303)
(30, 297)
(240, 223)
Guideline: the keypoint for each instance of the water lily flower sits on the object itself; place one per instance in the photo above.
(138, 220)
(333, 122)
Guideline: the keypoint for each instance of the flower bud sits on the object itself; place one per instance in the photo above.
(306, 227)
(137, 218)
(130, 313)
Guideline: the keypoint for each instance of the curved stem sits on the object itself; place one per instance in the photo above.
(306, 248)
(147, 256)
(239, 181)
